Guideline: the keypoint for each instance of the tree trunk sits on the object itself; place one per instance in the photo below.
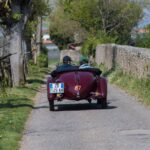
(38, 35)
(18, 45)
(17, 68)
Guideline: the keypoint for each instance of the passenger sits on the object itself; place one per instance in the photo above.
(84, 63)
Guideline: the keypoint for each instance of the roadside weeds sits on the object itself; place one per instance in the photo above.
(16, 107)
(137, 87)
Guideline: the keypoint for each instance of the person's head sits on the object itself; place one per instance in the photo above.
(84, 60)
(67, 60)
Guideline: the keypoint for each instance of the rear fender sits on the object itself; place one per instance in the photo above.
(50, 96)
(102, 87)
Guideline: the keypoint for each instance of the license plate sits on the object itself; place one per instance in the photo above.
(56, 88)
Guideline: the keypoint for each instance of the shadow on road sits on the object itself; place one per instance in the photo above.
(80, 107)
(60, 107)
(15, 106)
(36, 81)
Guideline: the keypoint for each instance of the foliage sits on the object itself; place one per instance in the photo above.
(5, 10)
(3, 86)
(115, 18)
(8, 16)
(62, 29)
(30, 28)
(143, 41)
(84, 12)
(16, 16)
(118, 18)
(39, 8)
(42, 59)
(92, 41)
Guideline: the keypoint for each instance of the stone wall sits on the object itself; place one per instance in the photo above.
(132, 60)
(74, 54)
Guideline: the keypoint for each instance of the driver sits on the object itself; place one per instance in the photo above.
(66, 66)
(66, 63)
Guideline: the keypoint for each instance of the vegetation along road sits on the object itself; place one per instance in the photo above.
(80, 126)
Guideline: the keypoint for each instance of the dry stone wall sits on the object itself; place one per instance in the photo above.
(132, 60)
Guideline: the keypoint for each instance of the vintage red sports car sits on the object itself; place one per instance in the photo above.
(77, 84)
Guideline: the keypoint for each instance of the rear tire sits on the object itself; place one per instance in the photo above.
(102, 102)
(98, 101)
(51, 105)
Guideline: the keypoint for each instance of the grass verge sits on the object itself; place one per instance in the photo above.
(15, 108)
(133, 85)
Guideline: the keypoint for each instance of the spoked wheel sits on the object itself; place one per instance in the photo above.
(51, 105)
(102, 102)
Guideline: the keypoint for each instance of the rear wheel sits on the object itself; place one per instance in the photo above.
(51, 105)
(102, 102)
(98, 101)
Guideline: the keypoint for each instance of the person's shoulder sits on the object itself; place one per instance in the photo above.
(84, 66)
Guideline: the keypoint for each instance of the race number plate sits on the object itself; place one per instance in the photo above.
(56, 88)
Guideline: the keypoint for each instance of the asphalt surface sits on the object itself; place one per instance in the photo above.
(125, 125)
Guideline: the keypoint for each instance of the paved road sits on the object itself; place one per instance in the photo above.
(125, 125)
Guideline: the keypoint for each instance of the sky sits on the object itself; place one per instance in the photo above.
(146, 19)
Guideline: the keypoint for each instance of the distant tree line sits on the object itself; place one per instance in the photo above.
(96, 21)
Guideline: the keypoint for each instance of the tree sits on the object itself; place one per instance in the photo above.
(62, 28)
(16, 42)
(34, 24)
(84, 12)
(15, 15)
(143, 39)
(115, 18)
(5, 11)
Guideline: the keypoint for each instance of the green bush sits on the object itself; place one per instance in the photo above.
(44, 50)
(42, 60)
(92, 41)
(143, 41)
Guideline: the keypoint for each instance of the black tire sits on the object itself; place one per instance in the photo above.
(102, 102)
(98, 101)
(51, 105)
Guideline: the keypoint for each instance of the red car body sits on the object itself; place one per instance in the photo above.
(79, 85)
